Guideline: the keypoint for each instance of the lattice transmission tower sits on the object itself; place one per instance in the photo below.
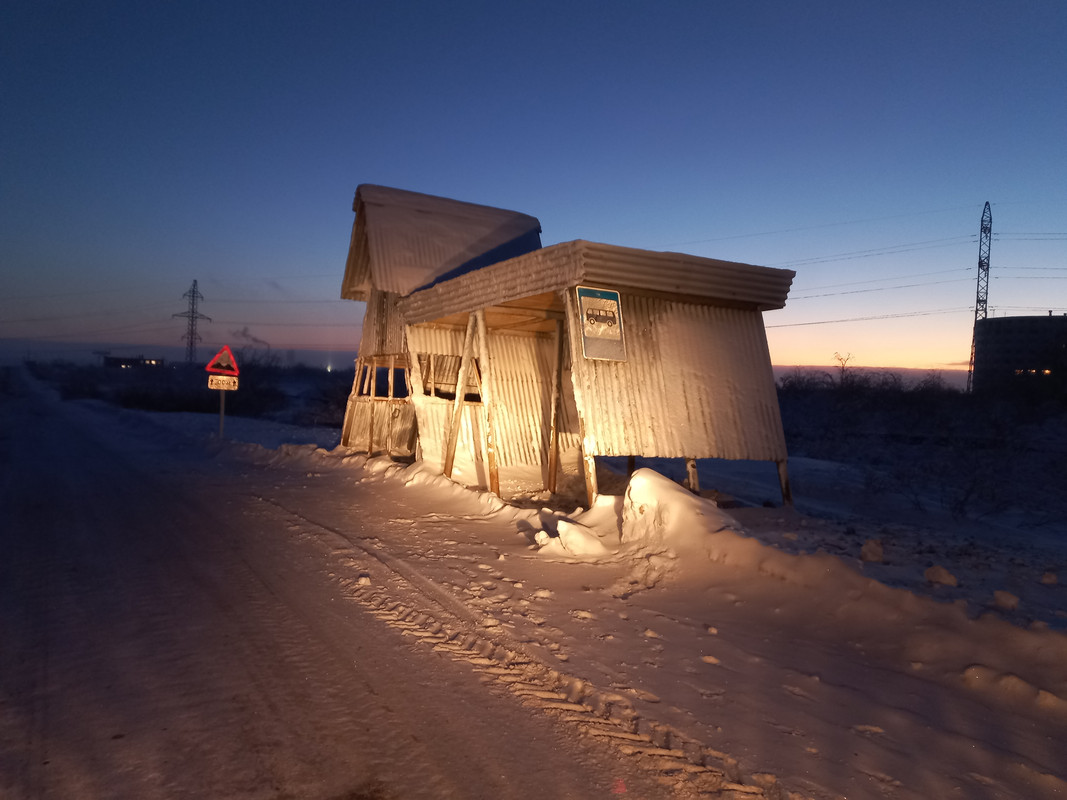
(985, 236)
(191, 337)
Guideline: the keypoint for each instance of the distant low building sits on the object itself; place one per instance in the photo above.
(132, 362)
(1024, 356)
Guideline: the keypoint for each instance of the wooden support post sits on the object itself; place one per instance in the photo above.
(487, 402)
(457, 406)
(783, 481)
(367, 377)
(372, 383)
(222, 412)
(574, 337)
(592, 488)
(350, 406)
(553, 414)
(392, 407)
(416, 390)
(691, 476)
(416, 387)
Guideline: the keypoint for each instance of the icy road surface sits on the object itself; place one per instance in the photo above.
(159, 639)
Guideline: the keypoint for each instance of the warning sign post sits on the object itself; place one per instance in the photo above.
(223, 377)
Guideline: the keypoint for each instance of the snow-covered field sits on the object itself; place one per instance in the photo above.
(850, 647)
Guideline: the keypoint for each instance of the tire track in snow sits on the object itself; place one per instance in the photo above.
(153, 649)
(433, 618)
(157, 644)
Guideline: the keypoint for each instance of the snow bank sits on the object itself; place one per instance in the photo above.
(571, 539)
(657, 512)
(665, 528)
(664, 523)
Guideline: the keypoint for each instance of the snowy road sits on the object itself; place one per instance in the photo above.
(181, 617)
(160, 636)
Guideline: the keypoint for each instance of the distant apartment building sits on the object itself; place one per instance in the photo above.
(1021, 355)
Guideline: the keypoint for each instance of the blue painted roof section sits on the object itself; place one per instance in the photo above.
(520, 245)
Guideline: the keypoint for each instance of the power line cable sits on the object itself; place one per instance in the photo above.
(280, 302)
(287, 324)
(64, 317)
(891, 277)
(908, 247)
(880, 289)
(866, 319)
(823, 225)
(1050, 269)
(139, 328)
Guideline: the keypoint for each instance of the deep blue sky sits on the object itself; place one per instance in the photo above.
(145, 144)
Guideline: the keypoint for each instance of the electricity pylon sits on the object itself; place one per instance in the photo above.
(191, 337)
(984, 237)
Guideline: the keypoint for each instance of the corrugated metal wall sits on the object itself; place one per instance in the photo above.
(383, 328)
(433, 415)
(697, 383)
(521, 374)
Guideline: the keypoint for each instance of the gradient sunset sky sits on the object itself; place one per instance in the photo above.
(147, 144)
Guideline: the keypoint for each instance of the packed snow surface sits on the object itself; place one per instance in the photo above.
(851, 656)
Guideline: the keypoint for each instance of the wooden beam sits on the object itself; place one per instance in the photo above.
(783, 481)
(350, 409)
(487, 402)
(691, 476)
(553, 414)
(372, 381)
(389, 419)
(592, 488)
(416, 387)
(457, 405)
(574, 338)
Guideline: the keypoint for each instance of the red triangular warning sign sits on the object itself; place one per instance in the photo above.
(223, 363)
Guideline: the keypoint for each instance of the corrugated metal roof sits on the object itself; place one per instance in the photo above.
(404, 240)
(644, 272)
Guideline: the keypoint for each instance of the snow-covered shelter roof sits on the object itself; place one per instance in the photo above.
(675, 276)
(403, 240)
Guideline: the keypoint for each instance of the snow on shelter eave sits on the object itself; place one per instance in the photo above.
(404, 240)
(679, 276)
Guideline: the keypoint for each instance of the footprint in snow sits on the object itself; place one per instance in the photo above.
(796, 691)
(868, 730)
